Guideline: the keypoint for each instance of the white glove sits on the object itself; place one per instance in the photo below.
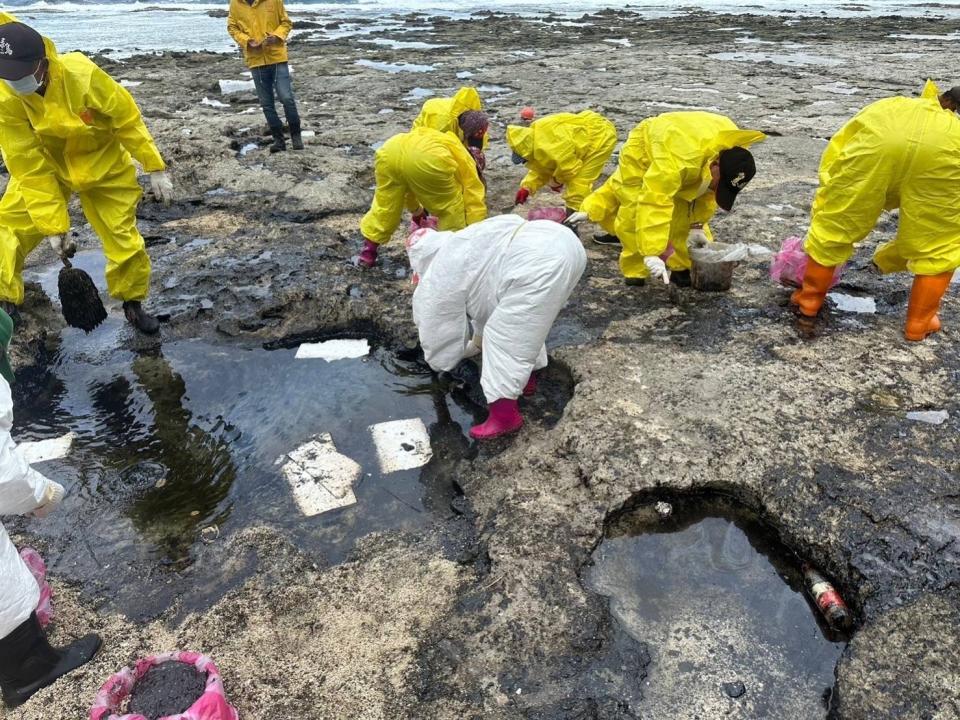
(64, 246)
(474, 347)
(161, 186)
(577, 217)
(51, 498)
(657, 268)
(697, 238)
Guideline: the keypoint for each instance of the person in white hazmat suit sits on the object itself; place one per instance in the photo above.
(496, 287)
(27, 660)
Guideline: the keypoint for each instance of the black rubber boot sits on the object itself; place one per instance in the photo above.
(634, 281)
(680, 278)
(140, 318)
(279, 144)
(606, 239)
(28, 663)
(296, 139)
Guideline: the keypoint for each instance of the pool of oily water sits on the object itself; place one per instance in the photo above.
(180, 443)
(720, 603)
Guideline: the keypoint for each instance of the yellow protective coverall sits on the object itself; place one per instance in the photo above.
(895, 153)
(660, 186)
(443, 113)
(429, 169)
(566, 149)
(264, 17)
(76, 138)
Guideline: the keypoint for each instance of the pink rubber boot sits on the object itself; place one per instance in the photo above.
(368, 256)
(531, 387)
(504, 418)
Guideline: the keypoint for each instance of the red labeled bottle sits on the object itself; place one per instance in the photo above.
(827, 599)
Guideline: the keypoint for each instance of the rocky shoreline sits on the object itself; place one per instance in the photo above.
(676, 391)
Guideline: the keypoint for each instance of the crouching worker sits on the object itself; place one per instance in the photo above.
(895, 153)
(67, 127)
(494, 287)
(426, 171)
(27, 660)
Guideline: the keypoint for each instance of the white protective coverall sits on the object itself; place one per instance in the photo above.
(504, 279)
(22, 490)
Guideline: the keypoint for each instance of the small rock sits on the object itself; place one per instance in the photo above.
(664, 509)
(734, 689)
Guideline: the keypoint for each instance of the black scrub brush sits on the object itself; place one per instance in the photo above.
(79, 298)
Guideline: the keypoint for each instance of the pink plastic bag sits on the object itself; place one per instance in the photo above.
(212, 705)
(789, 265)
(34, 562)
(557, 214)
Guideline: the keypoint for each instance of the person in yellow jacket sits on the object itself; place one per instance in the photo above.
(260, 28)
(427, 171)
(675, 169)
(564, 151)
(895, 153)
(462, 115)
(67, 127)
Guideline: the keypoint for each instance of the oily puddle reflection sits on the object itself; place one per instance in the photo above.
(721, 604)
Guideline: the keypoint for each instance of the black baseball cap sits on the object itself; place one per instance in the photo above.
(21, 48)
(737, 168)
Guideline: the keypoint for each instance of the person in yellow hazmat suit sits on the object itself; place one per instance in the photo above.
(462, 115)
(424, 170)
(260, 28)
(565, 151)
(895, 153)
(67, 127)
(675, 169)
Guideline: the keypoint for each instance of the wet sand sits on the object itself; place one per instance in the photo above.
(675, 389)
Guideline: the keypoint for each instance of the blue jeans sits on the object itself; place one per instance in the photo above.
(268, 78)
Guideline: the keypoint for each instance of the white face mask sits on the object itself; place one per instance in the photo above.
(24, 86)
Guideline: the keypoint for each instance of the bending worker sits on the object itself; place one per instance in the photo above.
(494, 287)
(565, 151)
(260, 28)
(27, 661)
(461, 114)
(895, 153)
(674, 170)
(422, 169)
(67, 127)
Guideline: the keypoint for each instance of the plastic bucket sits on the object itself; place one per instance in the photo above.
(709, 276)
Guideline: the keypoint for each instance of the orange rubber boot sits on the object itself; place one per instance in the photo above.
(817, 279)
(924, 303)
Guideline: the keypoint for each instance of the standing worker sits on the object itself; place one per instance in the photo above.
(68, 127)
(895, 153)
(422, 169)
(674, 170)
(495, 287)
(28, 663)
(260, 28)
(565, 151)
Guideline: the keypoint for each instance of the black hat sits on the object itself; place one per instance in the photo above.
(21, 47)
(736, 170)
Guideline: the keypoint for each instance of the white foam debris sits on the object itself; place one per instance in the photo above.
(248, 148)
(401, 444)
(853, 304)
(228, 87)
(131, 83)
(838, 88)
(386, 111)
(625, 42)
(931, 417)
(37, 451)
(334, 350)
(320, 478)
(214, 103)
